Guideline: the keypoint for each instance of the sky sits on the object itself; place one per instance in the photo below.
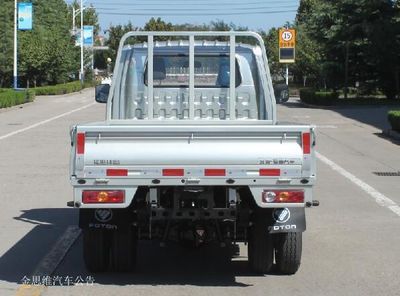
(254, 14)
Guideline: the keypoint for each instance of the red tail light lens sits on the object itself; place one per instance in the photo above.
(282, 196)
(306, 143)
(80, 143)
(103, 196)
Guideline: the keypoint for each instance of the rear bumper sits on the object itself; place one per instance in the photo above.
(130, 186)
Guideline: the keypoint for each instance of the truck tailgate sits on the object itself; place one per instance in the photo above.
(176, 155)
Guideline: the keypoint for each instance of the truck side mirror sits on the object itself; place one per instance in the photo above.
(102, 91)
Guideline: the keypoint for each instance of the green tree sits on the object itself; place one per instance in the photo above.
(115, 34)
(6, 42)
(396, 26)
(47, 53)
(309, 62)
(157, 25)
(90, 17)
(355, 39)
(308, 58)
(272, 48)
(305, 10)
(35, 58)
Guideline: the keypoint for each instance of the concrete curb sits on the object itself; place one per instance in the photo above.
(306, 105)
(23, 105)
(342, 106)
(20, 106)
(392, 134)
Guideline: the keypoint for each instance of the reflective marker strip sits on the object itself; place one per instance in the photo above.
(306, 143)
(270, 172)
(173, 172)
(117, 172)
(80, 143)
(214, 172)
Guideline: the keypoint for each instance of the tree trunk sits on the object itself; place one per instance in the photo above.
(346, 71)
(397, 83)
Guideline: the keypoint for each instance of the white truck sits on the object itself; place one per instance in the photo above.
(191, 152)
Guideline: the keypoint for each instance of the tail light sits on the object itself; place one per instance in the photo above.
(80, 143)
(306, 143)
(282, 196)
(103, 196)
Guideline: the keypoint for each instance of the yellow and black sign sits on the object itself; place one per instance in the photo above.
(287, 45)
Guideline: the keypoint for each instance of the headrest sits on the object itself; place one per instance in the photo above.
(159, 71)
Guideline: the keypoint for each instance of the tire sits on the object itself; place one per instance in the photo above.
(260, 245)
(288, 248)
(124, 250)
(281, 92)
(284, 97)
(95, 250)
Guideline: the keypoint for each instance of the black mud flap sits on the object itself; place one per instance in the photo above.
(109, 219)
(287, 220)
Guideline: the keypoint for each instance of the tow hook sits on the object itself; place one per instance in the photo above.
(314, 203)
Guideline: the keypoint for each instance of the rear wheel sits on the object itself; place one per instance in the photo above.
(288, 248)
(260, 245)
(95, 250)
(124, 249)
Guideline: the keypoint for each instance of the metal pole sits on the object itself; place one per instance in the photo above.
(287, 74)
(150, 80)
(232, 77)
(92, 58)
(15, 74)
(82, 71)
(73, 19)
(346, 71)
(191, 77)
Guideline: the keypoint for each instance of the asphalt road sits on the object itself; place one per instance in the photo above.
(351, 246)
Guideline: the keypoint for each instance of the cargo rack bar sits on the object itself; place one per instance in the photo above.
(191, 36)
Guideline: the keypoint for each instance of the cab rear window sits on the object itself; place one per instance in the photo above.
(209, 71)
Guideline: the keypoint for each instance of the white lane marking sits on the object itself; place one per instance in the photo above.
(380, 199)
(44, 122)
(300, 116)
(57, 253)
(326, 126)
(395, 209)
